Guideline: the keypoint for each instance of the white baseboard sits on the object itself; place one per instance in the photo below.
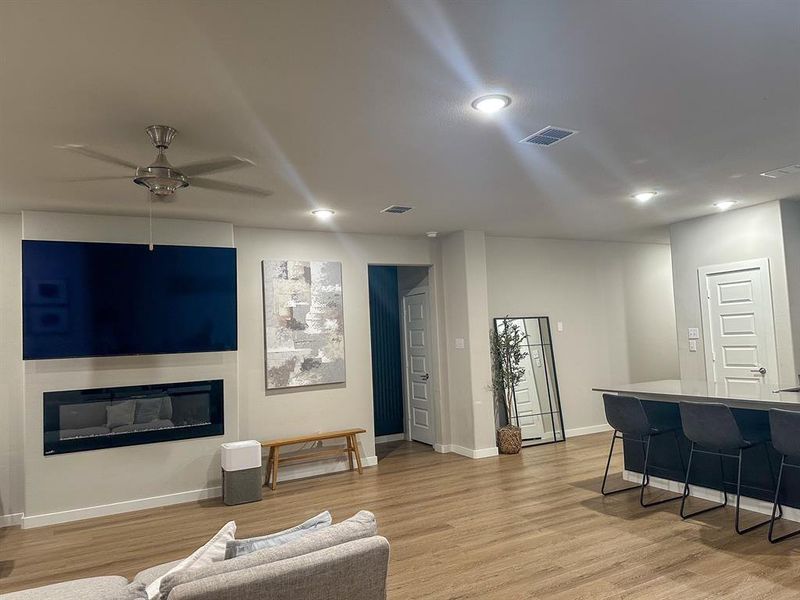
(704, 493)
(11, 520)
(115, 508)
(587, 430)
(287, 474)
(394, 437)
(468, 452)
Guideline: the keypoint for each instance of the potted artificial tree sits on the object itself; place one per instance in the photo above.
(508, 352)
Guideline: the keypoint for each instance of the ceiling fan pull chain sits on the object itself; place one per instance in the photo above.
(150, 217)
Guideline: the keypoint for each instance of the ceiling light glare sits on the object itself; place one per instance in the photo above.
(645, 196)
(323, 213)
(724, 204)
(491, 104)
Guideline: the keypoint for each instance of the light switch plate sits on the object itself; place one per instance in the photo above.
(460, 343)
(560, 326)
(692, 345)
(694, 333)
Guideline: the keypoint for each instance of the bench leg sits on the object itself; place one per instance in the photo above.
(268, 470)
(350, 451)
(275, 460)
(354, 443)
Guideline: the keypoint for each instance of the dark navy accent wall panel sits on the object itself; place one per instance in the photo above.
(387, 370)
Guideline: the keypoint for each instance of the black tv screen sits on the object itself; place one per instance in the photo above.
(94, 299)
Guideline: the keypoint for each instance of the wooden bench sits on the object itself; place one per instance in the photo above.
(275, 458)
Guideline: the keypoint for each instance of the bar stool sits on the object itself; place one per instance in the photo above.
(630, 421)
(785, 427)
(713, 427)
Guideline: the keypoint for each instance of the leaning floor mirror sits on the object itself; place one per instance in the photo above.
(538, 404)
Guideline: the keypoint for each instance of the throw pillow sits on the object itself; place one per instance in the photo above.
(133, 591)
(147, 409)
(361, 525)
(120, 413)
(212, 551)
(248, 545)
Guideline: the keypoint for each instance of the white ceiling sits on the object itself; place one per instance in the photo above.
(358, 104)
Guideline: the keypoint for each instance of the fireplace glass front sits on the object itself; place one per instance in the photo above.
(79, 420)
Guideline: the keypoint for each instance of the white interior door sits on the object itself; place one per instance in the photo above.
(526, 392)
(529, 408)
(419, 373)
(738, 326)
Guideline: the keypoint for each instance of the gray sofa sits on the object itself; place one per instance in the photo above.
(346, 561)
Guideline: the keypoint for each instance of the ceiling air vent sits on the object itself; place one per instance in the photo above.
(396, 210)
(548, 136)
(788, 170)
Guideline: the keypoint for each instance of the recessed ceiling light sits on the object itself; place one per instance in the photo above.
(431, 234)
(645, 196)
(323, 213)
(724, 204)
(491, 103)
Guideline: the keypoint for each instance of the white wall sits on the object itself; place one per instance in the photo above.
(279, 414)
(614, 299)
(790, 230)
(747, 233)
(464, 293)
(11, 414)
(186, 468)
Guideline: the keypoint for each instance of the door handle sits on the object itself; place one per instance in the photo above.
(761, 370)
(425, 377)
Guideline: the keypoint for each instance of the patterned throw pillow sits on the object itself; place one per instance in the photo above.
(236, 548)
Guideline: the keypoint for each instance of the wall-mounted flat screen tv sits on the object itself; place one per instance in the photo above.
(85, 299)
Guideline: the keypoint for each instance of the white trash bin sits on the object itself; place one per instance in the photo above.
(241, 472)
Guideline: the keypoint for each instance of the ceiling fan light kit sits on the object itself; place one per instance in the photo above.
(161, 178)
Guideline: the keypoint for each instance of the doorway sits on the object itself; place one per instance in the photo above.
(402, 335)
(738, 326)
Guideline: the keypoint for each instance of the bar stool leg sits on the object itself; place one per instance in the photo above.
(603, 491)
(776, 504)
(646, 479)
(772, 476)
(686, 489)
(738, 499)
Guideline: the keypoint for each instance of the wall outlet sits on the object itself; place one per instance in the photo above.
(692, 345)
(460, 343)
(694, 333)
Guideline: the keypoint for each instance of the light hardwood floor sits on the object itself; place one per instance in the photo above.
(531, 526)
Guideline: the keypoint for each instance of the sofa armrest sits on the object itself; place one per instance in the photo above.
(351, 570)
(148, 576)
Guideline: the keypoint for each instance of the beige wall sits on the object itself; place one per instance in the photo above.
(614, 300)
(790, 225)
(472, 423)
(186, 468)
(11, 406)
(747, 233)
(280, 414)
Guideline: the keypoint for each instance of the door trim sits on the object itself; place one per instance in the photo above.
(705, 311)
(434, 413)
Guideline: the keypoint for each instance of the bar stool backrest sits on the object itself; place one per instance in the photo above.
(626, 414)
(711, 425)
(784, 426)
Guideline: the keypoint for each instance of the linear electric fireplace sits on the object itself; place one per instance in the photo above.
(79, 420)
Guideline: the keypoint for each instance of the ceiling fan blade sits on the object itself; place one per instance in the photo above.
(82, 179)
(215, 165)
(224, 186)
(80, 149)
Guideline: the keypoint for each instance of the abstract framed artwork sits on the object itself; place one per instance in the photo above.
(303, 323)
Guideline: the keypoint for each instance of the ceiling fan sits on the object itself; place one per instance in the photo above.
(162, 179)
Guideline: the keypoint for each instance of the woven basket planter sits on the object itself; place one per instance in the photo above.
(509, 439)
